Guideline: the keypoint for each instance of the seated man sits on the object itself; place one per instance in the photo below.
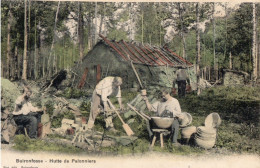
(26, 114)
(168, 107)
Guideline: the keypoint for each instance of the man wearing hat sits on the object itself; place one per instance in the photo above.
(167, 107)
(109, 86)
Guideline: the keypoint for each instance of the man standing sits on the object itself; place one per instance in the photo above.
(109, 86)
(181, 79)
(168, 107)
(26, 114)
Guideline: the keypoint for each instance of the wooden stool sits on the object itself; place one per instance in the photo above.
(162, 133)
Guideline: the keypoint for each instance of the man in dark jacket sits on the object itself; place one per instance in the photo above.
(181, 79)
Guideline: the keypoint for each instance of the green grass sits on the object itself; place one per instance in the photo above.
(24, 143)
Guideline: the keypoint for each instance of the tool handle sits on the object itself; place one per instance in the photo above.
(113, 107)
(144, 116)
(137, 112)
(136, 74)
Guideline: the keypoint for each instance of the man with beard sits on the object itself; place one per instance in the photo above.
(26, 114)
(167, 107)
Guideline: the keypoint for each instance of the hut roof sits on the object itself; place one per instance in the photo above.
(146, 54)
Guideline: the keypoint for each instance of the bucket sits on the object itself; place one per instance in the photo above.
(206, 144)
(188, 131)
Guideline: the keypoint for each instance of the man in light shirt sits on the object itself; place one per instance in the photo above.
(109, 86)
(26, 114)
(168, 107)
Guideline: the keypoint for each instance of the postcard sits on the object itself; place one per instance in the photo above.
(94, 84)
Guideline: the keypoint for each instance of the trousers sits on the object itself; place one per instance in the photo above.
(95, 111)
(181, 88)
(30, 121)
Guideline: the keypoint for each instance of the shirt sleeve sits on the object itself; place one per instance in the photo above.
(118, 95)
(104, 94)
(102, 89)
(33, 109)
(177, 108)
(155, 106)
(174, 107)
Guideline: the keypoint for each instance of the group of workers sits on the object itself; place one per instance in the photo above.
(26, 114)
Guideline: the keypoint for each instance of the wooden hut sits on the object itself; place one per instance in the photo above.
(156, 66)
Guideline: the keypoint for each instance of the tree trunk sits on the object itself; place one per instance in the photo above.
(230, 60)
(198, 47)
(102, 20)
(35, 48)
(258, 55)
(96, 26)
(24, 76)
(19, 58)
(182, 32)
(142, 26)
(2, 69)
(89, 31)
(254, 54)
(50, 69)
(81, 33)
(226, 15)
(16, 63)
(214, 41)
(131, 25)
(29, 31)
(8, 52)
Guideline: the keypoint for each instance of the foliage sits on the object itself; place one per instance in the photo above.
(117, 35)
(73, 93)
(49, 107)
(237, 138)
(85, 108)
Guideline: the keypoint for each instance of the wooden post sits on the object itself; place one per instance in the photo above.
(83, 78)
(154, 139)
(161, 139)
(98, 75)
